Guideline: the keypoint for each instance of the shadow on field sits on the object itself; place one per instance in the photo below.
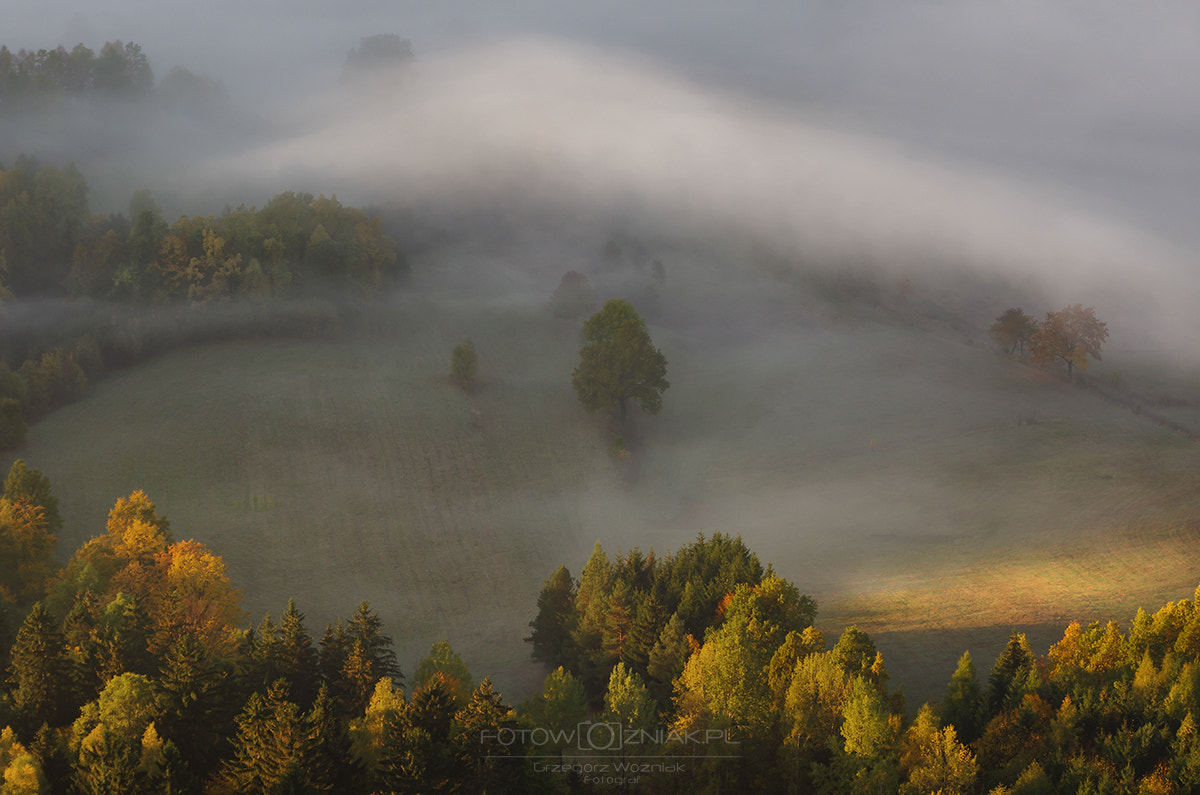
(922, 661)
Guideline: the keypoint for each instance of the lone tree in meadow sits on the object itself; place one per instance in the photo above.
(1069, 335)
(1012, 330)
(463, 363)
(619, 362)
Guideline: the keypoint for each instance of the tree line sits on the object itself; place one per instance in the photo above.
(119, 70)
(131, 669)
(233, 268)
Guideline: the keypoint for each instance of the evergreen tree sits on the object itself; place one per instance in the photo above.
(326, 754)
(492, 763)
(418, 756)
(298, 659)
(962, 706)
(1010, 674)
(41, 674)
(269, 745)
(555, 622)
(668, 657)
(366, 628)
(196, 700)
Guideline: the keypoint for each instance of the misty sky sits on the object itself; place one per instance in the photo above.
(1058, 136)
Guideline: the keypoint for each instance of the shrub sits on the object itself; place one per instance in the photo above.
(463, 363)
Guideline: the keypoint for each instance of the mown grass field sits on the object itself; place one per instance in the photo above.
(909, 478)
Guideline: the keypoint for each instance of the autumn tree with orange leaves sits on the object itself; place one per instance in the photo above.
(1070, 336)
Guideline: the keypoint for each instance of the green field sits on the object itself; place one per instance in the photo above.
(883, 458)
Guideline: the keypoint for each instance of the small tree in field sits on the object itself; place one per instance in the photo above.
(1069, 335)
(464, 363)
(619, 362)
(1012, 330)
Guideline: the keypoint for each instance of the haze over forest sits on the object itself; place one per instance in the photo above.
(783, 163)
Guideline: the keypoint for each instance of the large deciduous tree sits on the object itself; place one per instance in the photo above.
(619, 362)
(1069, 336)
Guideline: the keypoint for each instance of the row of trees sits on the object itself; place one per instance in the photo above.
(234, 267)
(51, 244)
(130, 671)
(119, 70)
(1104, 710)
(1068, 336)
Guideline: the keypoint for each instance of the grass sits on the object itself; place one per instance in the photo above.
(933, 492)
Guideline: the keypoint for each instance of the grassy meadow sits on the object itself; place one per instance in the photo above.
(883, 457)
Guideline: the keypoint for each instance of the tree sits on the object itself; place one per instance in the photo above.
(556, 618)
(619, 362)
(1069, 335)
(464, 363)
(1012, 330)
(445, 662)
(41, 673)
(962, 706)
(31, 484)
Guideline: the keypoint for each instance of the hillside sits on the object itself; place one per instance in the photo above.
(870, 445)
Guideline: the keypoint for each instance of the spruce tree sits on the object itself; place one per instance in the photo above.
(962, 706)
(298, 659)
(1010, 674)
(555, 621)
(41, 674)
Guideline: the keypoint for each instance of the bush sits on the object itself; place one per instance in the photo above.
(463, 363)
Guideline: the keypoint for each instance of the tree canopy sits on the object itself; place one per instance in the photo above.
(619, 362)
(1070, 336)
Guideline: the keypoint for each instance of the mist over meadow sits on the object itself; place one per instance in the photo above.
(1024, 153)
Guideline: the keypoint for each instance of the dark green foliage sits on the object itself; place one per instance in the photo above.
(962, 706)
(555, 622)
(297, 658)
(619, 362)
(417, 755)
(269, 745)
(326, 755)
(1010, 675)
(197, 704)
(41, 675)
(667, 658)
(491, 762)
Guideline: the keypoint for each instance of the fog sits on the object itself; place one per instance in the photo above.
(1048, 140)
(1035, 152)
